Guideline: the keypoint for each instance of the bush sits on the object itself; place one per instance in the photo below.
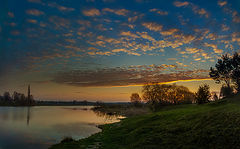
(203, 94)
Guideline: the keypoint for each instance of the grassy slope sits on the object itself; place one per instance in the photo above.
(214, 125)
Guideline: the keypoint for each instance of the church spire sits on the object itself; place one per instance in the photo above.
(29, 92)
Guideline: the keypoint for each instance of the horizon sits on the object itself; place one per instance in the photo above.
(104, 50)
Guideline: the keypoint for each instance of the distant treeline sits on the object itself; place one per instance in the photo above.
(75, 103)
(65, 103)
(16, 99)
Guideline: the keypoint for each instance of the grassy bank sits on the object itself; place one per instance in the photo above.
(213, 125)
(126, 110)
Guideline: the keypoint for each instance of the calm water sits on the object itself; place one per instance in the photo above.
(40, 127)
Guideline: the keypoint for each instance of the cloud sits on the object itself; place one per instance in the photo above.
(200, 11)
(224, 27)
(146, 36)
(180, 4)
(35, 1)
(124, 76)
(160, 12)
(215, 48)
(126, 51)
(11, 14)
(169, 32)
(34, 12)
(59, 22)
(236, 37)
(128, 33)
(191, 50)
(195, 8)
(158, 27)
(172, 59)
(15, 32)
(91, 12)
(119, 50)
(236, 17)
(135, 18)
(197, 59)
(122, 12)
(32, 21)
(222, 3)
(59, 7)
(152, 26)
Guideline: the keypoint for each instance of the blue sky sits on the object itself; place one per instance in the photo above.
(104, 45)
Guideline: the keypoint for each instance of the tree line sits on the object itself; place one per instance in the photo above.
(16, 99)
(226, 72)
(156, 95)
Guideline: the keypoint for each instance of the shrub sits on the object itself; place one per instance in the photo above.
(203, 94)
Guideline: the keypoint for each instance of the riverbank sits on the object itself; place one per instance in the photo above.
(125, 110)
(213, 125)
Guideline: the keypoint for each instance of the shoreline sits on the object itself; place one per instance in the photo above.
(124, 111)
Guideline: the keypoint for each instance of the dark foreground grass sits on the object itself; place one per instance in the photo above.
(213, 125)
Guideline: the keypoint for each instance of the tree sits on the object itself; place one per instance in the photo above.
(226, 91)
(203, 94)
(17, 99)
(223, 70)
(7, 96)
(236, 70)
(157, 95)
(135, 99)
(154, 95)
(227, 70)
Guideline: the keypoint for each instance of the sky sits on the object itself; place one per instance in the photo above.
(104, 50)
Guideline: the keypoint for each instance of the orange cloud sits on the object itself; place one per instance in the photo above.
(122, 12)
(91, 12)
(180, 4)
(128, 33)
(222, 3)
(160, 12)
(34, 12)
(152, 26)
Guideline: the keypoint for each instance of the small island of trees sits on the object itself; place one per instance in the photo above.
(17, 99)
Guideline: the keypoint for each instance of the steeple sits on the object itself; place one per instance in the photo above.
(29, 92)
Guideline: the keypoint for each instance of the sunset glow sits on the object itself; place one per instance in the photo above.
(104, 50)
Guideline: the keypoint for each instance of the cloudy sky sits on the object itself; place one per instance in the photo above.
(106, 49)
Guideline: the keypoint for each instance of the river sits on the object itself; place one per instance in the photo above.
(41, 126)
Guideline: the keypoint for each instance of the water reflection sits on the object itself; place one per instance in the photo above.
(28, 115)
(39, 127)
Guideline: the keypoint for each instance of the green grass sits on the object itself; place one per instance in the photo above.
(213, 125)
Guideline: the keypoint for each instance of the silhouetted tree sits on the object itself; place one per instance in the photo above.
(1, 100)
(203, 94)
(226, 91)
(17, 99)
(135, 99)
(236, 70)
(157, 95)
(7, 97)
(227, 70)
(223, 70)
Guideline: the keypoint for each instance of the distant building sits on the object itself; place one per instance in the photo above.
(29, 93)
